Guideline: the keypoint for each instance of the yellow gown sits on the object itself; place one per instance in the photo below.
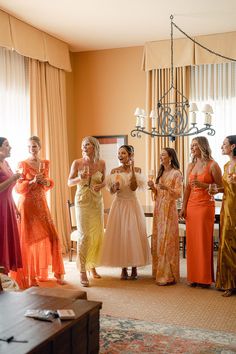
(89, 217)
(226, 266)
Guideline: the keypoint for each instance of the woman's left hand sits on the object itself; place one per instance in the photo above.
(97, 187)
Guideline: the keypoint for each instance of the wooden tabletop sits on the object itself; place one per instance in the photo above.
(13, 305)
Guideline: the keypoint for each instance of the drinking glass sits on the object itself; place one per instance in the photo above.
(118, 178)
(150, 176)
(195, 179)
(20, 170)
(86, 172)
(212, 190)
(41, 167)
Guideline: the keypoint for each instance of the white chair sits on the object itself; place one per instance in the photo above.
(73, 229)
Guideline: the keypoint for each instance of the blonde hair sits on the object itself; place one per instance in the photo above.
(96, 145)
(36, 140)
(204, 147)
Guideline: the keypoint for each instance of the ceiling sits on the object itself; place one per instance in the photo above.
(103, 24)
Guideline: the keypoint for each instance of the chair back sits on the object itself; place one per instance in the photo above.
(72, 218)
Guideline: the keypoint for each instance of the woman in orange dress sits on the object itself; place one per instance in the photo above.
(199, 212)
(40, 245)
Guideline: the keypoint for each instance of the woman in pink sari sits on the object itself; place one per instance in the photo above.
(10, 254)
(165, 235)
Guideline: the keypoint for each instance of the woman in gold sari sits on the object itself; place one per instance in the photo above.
(226, 267)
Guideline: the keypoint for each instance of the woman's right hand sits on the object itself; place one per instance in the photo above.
(182, 214)
(16, 176)
(150, 184)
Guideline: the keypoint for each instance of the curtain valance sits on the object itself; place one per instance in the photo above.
(33, 43)
(157, 54)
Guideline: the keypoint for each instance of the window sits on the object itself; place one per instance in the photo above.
(216, 84)
(14, 103)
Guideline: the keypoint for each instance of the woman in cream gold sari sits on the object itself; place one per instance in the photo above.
(88, 174)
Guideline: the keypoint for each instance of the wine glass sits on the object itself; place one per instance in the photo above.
(118, 178)
(86, 173)
(150, 176)
(231, 172)
(41, 167)
(195, 175)
(212, 190)
(20, 170)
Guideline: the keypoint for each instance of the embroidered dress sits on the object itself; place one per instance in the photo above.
(10, 254)
(199, 231)
(40, 245)
(165, 236)
(89, 218)
(226, 267)
(125, 242)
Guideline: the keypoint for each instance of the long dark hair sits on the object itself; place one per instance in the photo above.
(2, 139)
(174, 162)
(232, 140)
(128, 148)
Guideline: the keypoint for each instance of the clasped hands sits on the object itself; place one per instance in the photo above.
(40, 179)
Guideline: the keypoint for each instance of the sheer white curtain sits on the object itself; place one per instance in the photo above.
(216, 84)
(14, 103)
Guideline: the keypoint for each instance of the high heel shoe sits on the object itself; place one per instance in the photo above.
(60, 279)
(227, 293)
(124, 274)
(84, 280)
(94, 273)
(134, 275)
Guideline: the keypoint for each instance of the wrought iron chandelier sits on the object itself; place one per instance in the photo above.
(171, 119)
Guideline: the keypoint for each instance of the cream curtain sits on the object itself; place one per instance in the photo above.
(158, 82)
(48, 121)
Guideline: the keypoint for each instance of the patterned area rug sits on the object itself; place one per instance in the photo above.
(128, 336)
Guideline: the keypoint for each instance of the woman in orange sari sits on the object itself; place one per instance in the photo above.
(40, 245)
(199, 212)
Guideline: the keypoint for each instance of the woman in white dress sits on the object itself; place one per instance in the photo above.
(125, 243)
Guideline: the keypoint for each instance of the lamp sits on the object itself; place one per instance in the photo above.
(171, 119)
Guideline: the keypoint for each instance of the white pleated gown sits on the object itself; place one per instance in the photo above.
(125, 242)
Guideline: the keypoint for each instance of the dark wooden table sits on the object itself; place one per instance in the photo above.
(80, 335)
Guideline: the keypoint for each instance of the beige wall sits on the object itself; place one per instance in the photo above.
(103, 91)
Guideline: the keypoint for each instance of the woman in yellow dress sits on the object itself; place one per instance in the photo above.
(88, 174)
(226, 266)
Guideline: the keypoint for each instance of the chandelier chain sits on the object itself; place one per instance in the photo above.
(201, 45)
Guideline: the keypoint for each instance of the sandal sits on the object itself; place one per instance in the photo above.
(84, 280)
(94, 273)
(134, 275)
(228, 293)
(124, 274)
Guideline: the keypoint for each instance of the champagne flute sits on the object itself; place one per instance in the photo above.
(41, 166)
(20, 170)
(86, 173)
(195, 179)
(150, 176)
(118, 178)
(212, 190)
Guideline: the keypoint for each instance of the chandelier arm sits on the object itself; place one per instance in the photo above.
(192, 131)
(201, 45)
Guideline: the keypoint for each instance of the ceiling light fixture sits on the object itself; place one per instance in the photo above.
(171, 119)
